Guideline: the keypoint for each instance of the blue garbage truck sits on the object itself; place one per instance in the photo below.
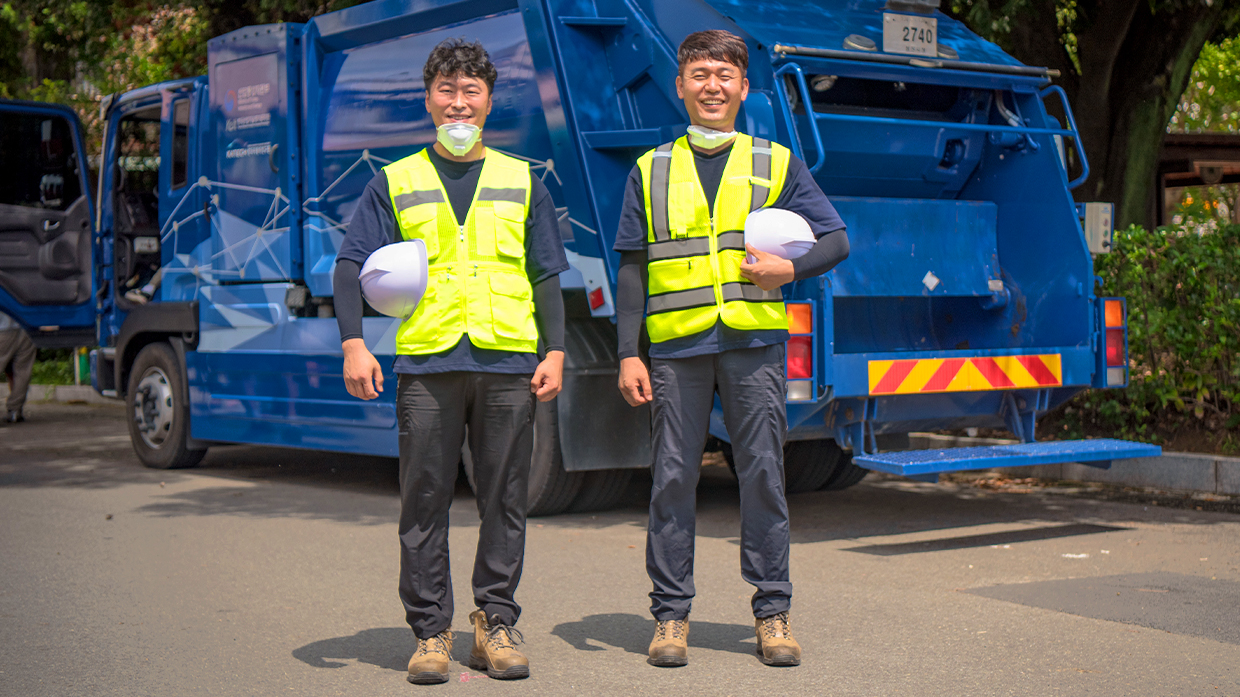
(969, 299)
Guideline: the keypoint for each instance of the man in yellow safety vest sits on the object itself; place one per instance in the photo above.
(466, 357)
(716, 324)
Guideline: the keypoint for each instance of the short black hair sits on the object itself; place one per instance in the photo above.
(713, 44)
(453, 57)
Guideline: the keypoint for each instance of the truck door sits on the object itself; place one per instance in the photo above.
(184, 224)
(46, 267)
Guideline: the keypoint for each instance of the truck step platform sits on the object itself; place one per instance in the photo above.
(1096, 453)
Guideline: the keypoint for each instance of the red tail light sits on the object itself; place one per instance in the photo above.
(1116, 348)
(800, 357)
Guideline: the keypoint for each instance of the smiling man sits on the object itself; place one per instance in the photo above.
(716, 324)
(467, 356)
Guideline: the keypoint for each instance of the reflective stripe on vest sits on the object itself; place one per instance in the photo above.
(477, 283)
(693, 255)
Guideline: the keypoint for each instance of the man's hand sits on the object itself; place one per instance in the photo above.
(548, 378)
(360, 370)
(635, 381)
(768, 271)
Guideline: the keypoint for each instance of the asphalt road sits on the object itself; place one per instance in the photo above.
(273, 572)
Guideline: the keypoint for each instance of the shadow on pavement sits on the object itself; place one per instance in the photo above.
(633, 632)
(388, 648)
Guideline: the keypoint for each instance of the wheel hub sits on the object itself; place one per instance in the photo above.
(153, 407)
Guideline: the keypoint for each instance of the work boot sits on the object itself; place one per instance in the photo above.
(495, 649)
(429, 665)
(670, 646)
(776, 647)
(14, 417)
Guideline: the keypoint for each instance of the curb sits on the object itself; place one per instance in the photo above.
(68, 394)
(1187, 472)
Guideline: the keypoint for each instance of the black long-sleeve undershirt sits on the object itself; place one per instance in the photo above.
(632, 283)
(548, 305)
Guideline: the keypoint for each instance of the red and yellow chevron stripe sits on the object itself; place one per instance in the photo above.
(974, 374)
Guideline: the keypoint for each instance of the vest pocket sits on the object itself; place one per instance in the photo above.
(419, 222)
(512, 308)
(510, 228)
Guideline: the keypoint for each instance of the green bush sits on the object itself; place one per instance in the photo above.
(1183, 290)
(53, 367)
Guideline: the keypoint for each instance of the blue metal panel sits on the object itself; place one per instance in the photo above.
(255, 184)
(920, 462)
(368, 109)
(286, 400)
(898, 258)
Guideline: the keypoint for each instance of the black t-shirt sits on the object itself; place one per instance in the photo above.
(800, 194)
(374, 224)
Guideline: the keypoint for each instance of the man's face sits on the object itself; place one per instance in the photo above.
(459, 98)
(713, 92)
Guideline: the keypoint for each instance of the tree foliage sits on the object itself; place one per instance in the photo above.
(1212, 100)
(1183, 292)
(76, 51)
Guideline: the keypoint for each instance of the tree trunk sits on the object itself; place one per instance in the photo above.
(1154, 65)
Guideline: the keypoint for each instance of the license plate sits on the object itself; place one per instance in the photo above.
(910, 35)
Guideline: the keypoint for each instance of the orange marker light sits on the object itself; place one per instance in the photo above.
(1114, 313)
(800, 318)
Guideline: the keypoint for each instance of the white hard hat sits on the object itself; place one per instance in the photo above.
(394, 278)
(776, 231)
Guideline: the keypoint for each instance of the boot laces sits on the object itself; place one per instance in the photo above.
(501, 636)
(776, 626)
(676, 627)
(435, 644)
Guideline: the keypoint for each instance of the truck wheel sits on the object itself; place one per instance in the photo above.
(845, 475)
(159, 420)
(601, 490)
(551, 489)
(809, 464)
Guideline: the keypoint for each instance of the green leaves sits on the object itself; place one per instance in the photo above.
(1183, 289)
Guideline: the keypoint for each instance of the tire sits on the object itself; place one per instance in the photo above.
(159, 416)
(726, 448)
(551, 489)
(846, 474)
(601, 490)
(809, 464)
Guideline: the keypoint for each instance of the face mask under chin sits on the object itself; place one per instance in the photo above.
(709, 138)
(458, 138)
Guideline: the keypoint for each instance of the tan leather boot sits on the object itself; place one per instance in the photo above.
(776, 647)
(429, 665)
(495, 649)
(670, 646)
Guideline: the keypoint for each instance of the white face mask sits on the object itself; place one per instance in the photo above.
(459, 138)
(709, 138)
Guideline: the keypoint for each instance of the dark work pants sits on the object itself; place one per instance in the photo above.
(750, 383)
(433, 411)
(17, 350)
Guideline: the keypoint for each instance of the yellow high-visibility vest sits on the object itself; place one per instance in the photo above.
(694, 254)
(477, 283)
